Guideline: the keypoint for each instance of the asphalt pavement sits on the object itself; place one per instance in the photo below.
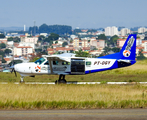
(87, 114)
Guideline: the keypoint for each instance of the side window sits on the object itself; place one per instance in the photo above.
(65, 63)
(46, 63)
(55, 63)
(88, 62)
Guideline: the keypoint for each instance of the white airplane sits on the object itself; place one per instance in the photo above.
(68, 64)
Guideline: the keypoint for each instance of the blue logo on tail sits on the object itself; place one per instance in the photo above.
(127, 52)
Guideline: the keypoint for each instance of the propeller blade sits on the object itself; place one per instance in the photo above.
(12, 70)
(15, 73)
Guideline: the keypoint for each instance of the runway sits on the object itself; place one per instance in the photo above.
(74, 82)
(93, 114)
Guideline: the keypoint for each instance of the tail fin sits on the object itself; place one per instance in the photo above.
(128, 51)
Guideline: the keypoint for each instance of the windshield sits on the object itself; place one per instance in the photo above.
(40, 61)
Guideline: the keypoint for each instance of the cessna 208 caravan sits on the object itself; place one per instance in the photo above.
(68, 64)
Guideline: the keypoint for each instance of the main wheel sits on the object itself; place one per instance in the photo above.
(62, 81)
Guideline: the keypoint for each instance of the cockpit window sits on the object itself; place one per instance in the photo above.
(40, 61)
(46, 63)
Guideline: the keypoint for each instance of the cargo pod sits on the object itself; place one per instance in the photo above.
(77, 66)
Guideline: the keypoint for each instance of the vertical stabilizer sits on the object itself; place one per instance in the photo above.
(128, 51)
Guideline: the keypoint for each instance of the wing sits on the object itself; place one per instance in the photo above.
(57, 58)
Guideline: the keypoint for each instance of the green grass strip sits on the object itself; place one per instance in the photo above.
(73, 105)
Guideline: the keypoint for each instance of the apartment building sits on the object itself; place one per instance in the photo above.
(76, 43)
(124, 31)
(101, 43)
(29, 39)
(111, 31)
(84, 43)
(142, 30)
(23, 50)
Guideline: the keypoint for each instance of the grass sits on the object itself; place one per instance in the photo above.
(24, 96)
(72, 96)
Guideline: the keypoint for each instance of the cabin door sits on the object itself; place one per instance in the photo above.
(77, 66)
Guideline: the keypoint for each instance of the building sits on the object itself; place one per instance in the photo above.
(120, 42)
(144, 45)
(76, 43)
(50, 51)
(101, 44)
(84, 43)
(23, 50)
(111, 31)
(31, 44)
(3, 40)
(142, 30)
(29, 39)
(64, 49)
(95, 52)
(125, 31)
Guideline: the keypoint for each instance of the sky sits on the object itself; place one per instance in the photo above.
(76, 13)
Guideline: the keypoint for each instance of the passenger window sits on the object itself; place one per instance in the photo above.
(88, 63)
(65, 63)
(55, 63)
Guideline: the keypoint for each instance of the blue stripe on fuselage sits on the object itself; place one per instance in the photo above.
(115, 65)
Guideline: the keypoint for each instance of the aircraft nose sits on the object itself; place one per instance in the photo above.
(16, 67)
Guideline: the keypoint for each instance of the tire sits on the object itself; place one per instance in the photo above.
(62, 81)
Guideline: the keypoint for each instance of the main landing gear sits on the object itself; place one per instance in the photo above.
(61, 80)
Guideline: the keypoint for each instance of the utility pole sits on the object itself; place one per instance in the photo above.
(34, 28)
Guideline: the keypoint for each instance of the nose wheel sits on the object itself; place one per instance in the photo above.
(21, 79)
(61, 80)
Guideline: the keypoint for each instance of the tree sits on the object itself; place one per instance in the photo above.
(64, 44)
(3, 60)
(10, 39)
(13, 62)
(76, 31)
(16, 39)
(2, 36)
(7, 51)
(140, 56)
(2, 45)
(102, 36)
(80, 53)
(44, 28)
(51, 38)
(2, 53)
(114, 39)
(41, 38)
(58, 29)
(115, 49)
(38, 50)
(106, 50)
(33, 30)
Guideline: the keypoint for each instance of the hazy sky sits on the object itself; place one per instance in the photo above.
(76, 13)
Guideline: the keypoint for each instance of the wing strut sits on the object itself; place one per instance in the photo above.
(51, 68)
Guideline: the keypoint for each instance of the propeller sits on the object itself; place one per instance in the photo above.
(13, 70)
